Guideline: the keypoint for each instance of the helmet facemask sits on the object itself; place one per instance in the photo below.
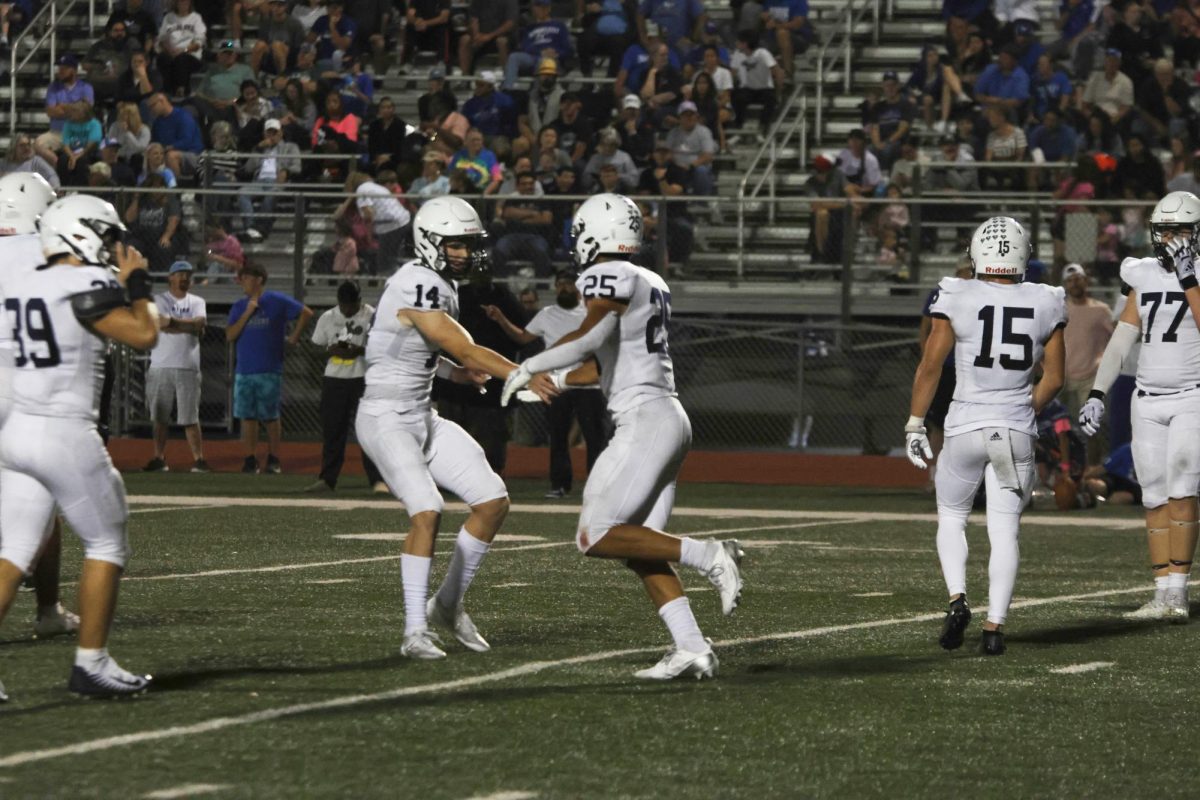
(460, 268)
(1177, 230)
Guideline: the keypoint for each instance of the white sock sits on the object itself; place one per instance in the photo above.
(681, 622)
(1177, 580)
(1161, 583)
(468, 555)
(414, 573)
(695, 554)
(89, 659)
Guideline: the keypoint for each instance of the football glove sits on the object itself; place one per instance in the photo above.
(517, 380)
(916, 443)
(1092, 414)
(1183, 258)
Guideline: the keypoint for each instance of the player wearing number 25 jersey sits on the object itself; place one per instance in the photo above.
(1166, 405)
(416, 450)
(1000, 330)
(631, 489)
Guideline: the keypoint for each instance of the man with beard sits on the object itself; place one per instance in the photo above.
(584, 404)
(543, 105)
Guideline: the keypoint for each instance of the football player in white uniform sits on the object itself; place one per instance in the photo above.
(416, 450)
(50, 450)
(1161, 313)
(999, 329)
(631, 489)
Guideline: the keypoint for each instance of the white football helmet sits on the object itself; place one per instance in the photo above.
(1177, 212)
(83, 226)
(449, 219)
(609, 224)
(24, 196)
(1000, 247)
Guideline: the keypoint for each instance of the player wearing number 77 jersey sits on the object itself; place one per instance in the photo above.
(1163, 312)
(631, 489)
(999, 330)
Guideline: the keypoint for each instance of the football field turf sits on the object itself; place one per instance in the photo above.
(272, 621)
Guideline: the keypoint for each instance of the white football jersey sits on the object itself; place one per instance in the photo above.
(58, 361)
(19, 255)
(400, 361)
(635, 364)
(1000, 330)
(1169, 360)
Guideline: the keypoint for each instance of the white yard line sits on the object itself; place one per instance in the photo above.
(505, 796)
(872, 594)
(329, 581)
(1078, 669)
(187, 790)
(512, 585)
(519, 671)
(164, 508)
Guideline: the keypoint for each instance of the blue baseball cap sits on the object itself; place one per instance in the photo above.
(180, 266)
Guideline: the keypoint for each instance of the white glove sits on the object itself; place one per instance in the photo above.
(1183, 258)
(516, 380)
(1091, 415)
(916, 443)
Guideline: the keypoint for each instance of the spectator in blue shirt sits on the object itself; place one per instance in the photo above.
(544, 38)
(1078, 37)
(1028, 46)
(176, 130)
(333, 34)
(1056, 140)
(679, 21)
(1003, 83)
(258, 326)
(787, 20)
(607, 29)
(493, 113)
(1049, 88)
(66, 89)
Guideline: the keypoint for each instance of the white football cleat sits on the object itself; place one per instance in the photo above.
(680, 663)
(724, 573)
(458, 623)
(1177, 605)
(56, 623)
(422, 645)
(1156, 608)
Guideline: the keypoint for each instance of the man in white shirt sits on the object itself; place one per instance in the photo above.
(173, 377)
(389, 219)
(757, 75)
(342, 332)
(584, 404)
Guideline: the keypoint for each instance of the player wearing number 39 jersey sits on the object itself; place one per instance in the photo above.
(416, 450)
(631, 489)
(1000, 330)
(1161, 312)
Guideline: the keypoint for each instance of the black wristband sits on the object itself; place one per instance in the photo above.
(1096, 393)
(1189, 282)
(139, 285)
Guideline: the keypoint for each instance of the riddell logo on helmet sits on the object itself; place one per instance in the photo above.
(626, 248)
(999, 270)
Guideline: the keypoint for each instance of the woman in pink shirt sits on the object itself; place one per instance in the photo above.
(336, 127)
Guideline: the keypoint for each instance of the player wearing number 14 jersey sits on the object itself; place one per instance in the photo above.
(631, 489)
(999, 330)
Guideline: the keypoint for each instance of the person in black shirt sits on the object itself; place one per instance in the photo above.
(663, 87)
(139, 23)
(891, 119)
(437, 101)
(1163, 102)
(636, 130)
(523, 226)
(428, 29)
(574, 130)
(566, 182)
(385, 137)
(665, 178)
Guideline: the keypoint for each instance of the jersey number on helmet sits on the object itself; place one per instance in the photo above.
(987, 315)
(34, 322)
(1157, 299)
(660, 319)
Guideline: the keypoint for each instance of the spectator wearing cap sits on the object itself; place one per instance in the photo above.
(636, 62)
(140, 25)
(176, 130)
(491, 111)
(679, 21)
(1048, 88)
(341, 333)
(1110, 91)
(107, 59)
(25, 155)
(64, 91)
(140, 80)
(827, 188)
(218, 93)
(787, 22)
(428, 29)
(432, 181)
(1089, 326)
(258, 327)
(438, 101)
(663, 178)
(121, 172)
(636, 130)
(523, 228)
(1140, 43)
(757, 75)
(173, 378)
(490, 28)
(1003, 83)
(280, 36)
(608, 152)
(385, 137)
(1163, 103)
(480, 165)
(573, 128)
(275, 162)
(1029, 49)
(607, 30)
(180, 48)
(890, 120)
(333, 34)
(662, 88)
(543, 104)
(693, 148)
(388, 218)
(543, 38)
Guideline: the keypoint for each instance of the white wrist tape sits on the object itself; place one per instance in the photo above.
(445, 368)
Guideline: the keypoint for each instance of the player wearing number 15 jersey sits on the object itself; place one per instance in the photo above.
(999, 330)
(631, 489)
(1166, 406)
(416, 450)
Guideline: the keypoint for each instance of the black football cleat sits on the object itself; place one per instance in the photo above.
(107, 686)
(955, 625)
(993, 643)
